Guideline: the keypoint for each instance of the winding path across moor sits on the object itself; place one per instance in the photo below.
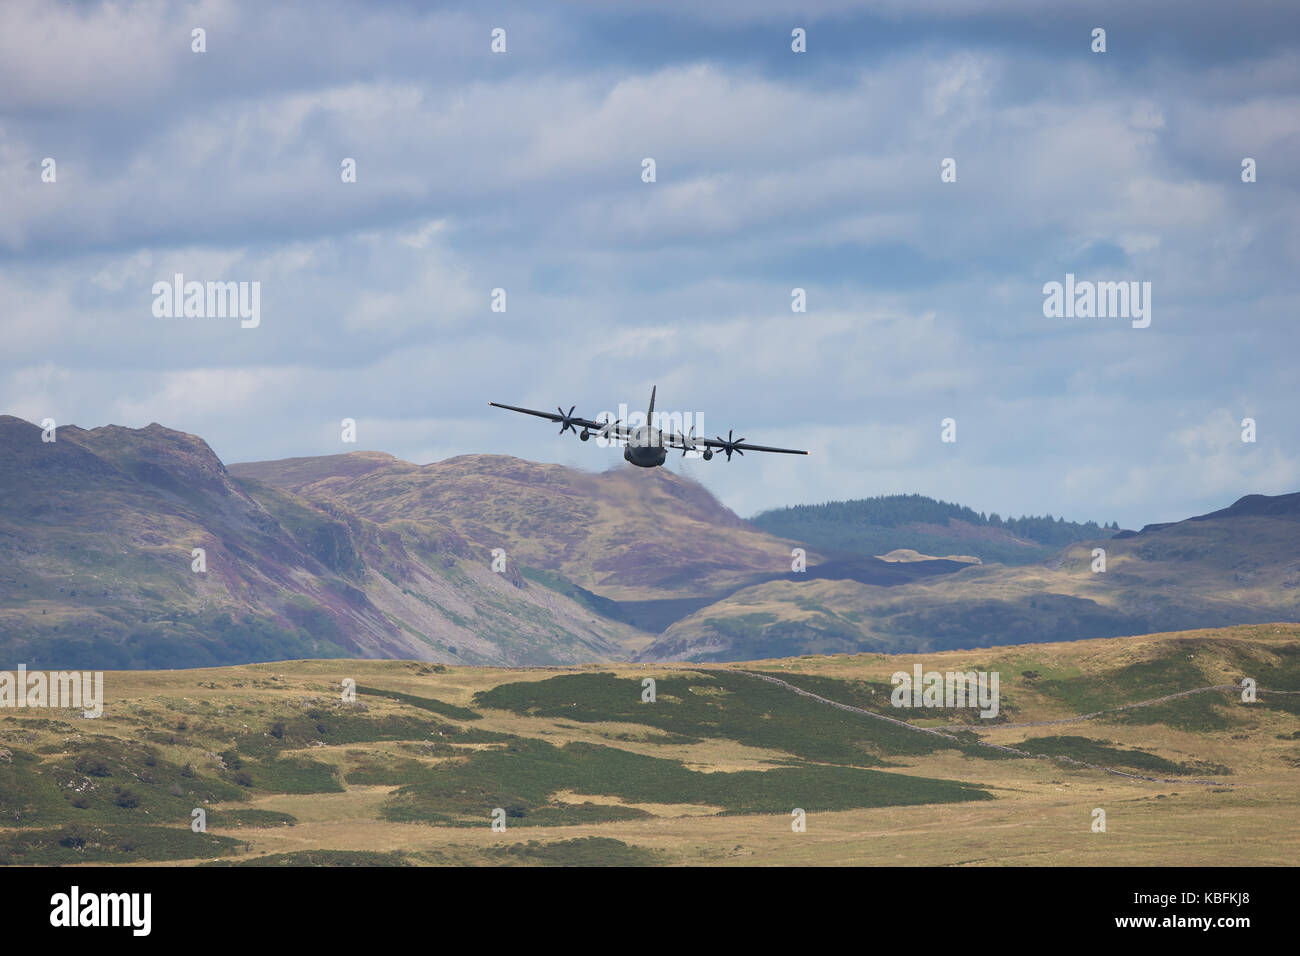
(939, 732)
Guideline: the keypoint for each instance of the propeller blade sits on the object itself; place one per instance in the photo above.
(566, 420)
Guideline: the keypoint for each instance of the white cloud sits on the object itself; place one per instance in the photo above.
(523, 172)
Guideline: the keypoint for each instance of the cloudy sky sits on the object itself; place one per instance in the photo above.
(774, 170)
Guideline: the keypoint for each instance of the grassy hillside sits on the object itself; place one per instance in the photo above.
(585, 772)
(97, 531)
(889, 522)
(627, 534)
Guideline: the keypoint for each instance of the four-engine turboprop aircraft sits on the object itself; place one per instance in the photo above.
(646, 446)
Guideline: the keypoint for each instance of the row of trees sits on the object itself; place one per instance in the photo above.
(891, 511)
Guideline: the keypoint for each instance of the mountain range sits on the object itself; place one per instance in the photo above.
(1239, 565)
(135, 548)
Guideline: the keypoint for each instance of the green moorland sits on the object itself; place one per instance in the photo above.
(576, 768)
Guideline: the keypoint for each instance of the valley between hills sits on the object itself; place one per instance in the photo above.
(498, 621)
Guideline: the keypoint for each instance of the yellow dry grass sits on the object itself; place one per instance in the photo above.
(1042, 812)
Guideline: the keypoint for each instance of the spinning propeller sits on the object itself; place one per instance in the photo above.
(729, 445)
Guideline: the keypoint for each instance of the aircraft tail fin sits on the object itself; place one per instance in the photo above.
(650, 415)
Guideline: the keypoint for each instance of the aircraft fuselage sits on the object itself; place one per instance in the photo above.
(645, 447)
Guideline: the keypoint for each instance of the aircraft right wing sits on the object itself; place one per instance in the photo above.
(727, 445)
(614, 430)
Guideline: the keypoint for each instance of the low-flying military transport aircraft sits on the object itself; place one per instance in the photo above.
(646, 446)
